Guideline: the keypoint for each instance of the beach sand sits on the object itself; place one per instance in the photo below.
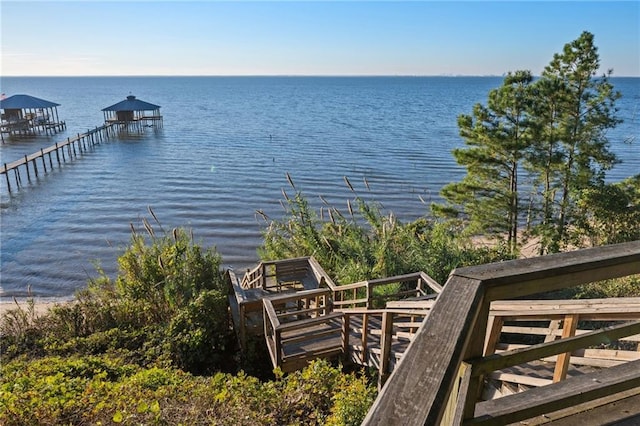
(40, 306)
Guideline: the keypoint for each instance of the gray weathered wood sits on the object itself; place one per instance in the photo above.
(521, 406)
(425, 376)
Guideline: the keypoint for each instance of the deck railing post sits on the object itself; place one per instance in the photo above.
(385, 347)
(278, 346)
(345, 336)
(364, 337)
(6, 175)
(243, 332)
(569, 327)
(44, 164)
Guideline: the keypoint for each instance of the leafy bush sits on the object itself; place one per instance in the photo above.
(612, 213)
(199, 333)
(168, 304)
(108, 390)
(628, 286)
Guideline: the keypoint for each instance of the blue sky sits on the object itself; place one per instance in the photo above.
(308, 38)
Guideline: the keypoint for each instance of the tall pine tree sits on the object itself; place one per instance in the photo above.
(497, 136)
(554, 129)
(574, 110)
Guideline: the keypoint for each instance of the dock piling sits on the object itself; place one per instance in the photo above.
(26, 164)
(6, 175)
(84, 142)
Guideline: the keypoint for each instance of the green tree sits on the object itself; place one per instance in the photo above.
(497, 136)
(574, 110)
(611, 212)
(555, 130)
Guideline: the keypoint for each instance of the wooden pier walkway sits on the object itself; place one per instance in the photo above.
(72, 146)
(548, 353)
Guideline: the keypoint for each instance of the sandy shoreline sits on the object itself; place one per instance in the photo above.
(41, 306)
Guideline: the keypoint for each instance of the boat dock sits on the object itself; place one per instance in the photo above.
(67, 149)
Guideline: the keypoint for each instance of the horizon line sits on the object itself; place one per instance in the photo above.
(280, 75)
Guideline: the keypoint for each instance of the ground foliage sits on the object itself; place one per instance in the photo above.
(108, 390)
(167, 306)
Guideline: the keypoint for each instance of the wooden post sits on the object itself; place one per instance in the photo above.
(44, 164)
(562, 364)
(472, 389)
(6, 175)
(35, 166)
(277, 343)
(345, 337)
(454, 412)
(64, 159)
(57, 153)
(385, 347)
(364, 335)
(243, 332)
(26, 164)
(494, 334)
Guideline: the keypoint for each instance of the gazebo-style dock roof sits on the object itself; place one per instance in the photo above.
(133, 112)
(28, 115)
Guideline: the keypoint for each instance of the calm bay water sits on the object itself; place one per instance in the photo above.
(224, 151)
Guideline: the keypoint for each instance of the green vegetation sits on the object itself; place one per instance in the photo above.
(110, 390)
(552, 131)
(167, 306)
(363, 243)
(155, 344)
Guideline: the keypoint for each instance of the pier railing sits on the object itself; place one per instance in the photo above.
(379, 337)
(71, 146)
(441, 375)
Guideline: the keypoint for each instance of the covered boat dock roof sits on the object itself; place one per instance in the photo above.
(25, 115)
(26, 102)
(132, 104)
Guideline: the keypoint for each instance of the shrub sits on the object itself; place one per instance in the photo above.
(108, 390)
(168, 303)
(199, 333)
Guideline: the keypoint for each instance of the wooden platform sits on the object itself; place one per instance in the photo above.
(72, 146)
(549, 350)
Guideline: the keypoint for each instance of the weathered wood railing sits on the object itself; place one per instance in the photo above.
(527, 322)
(440, 377)
(278, 275)
(381, 336)
(300, 327)
(372, 294)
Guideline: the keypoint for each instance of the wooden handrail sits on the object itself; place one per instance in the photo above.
(502, 360)
(455, 330)
(341, 298)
